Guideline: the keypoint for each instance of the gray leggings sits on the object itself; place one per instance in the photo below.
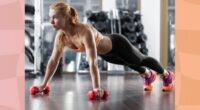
(124, 53)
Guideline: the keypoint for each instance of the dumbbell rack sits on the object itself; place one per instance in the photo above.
(132, 28)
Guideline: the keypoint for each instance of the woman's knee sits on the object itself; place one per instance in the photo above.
(145, 60)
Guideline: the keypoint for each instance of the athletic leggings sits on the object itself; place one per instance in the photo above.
(124, 53)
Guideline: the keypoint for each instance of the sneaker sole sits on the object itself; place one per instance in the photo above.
(150, 87)
(170, 87)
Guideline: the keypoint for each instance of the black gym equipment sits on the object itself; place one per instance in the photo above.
(139, 27)
(132, 28)
(100, 21)
(137, 17)
(141, 37)
(132, 37)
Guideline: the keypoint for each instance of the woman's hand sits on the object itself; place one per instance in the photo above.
(41, 87)
(99, 92)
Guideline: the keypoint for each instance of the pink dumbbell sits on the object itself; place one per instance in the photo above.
(35, 90)
(92, 95)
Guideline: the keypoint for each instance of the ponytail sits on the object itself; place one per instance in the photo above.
(74, 15)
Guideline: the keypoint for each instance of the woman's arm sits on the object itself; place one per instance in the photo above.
(91, 52)
(53, 62)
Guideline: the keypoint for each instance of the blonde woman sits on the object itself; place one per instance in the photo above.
(113, 48)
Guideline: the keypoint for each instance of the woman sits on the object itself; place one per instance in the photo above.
(114, 48)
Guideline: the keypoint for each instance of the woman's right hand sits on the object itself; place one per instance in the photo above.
(41, 87)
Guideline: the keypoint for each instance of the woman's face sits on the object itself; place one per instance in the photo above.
(56, 19)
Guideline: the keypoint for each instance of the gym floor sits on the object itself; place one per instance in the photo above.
(69, 92)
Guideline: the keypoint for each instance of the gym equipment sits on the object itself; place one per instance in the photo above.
(35, 90)
(126, 18)
(92, 95)
(131, 27)
(131, 37)
(141, 37)
(139, 27)
(102, 16)
(91, 16)
(128, 27)
(101, 26)
(100, 21)
(137, 17)
(96, 16)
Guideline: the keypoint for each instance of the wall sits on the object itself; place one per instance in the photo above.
(150, 10)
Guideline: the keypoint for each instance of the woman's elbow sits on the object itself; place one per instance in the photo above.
(93, 63)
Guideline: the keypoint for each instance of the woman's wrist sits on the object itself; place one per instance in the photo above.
(44, 83)
(97, 89)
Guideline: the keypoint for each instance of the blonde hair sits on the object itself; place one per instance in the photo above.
(66, 10)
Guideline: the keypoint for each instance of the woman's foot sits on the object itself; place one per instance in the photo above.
(167, 81)
(148, 80)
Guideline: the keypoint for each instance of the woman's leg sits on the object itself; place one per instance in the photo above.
(116, 60)
(113, 58)
(123, 49)
(131, 55)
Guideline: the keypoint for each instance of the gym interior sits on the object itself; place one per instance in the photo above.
(148, 24)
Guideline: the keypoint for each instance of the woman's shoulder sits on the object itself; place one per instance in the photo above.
(84, 26)
(60, 34)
